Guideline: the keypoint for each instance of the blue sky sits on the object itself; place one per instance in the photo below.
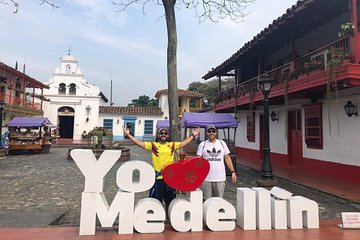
(127, 47)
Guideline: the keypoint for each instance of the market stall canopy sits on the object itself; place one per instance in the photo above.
(162, 124)
(29, 122)
(219, 120)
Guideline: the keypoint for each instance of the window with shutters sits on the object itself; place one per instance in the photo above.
(313, 125)
(250, 123)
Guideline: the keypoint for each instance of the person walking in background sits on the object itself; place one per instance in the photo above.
(84, 136)
(162, 154)
(5, 142)
(215, 151)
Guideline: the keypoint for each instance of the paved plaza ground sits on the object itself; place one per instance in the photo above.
(38, 190)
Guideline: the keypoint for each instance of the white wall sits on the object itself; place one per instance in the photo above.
(164, 104)
(340, 141)
(241, 132)
(139, 124)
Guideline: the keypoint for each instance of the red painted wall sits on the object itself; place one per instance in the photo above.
(336, 171)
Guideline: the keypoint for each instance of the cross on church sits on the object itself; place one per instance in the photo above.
(69, 50)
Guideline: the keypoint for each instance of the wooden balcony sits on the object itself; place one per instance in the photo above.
(306, 72)
(21, 106)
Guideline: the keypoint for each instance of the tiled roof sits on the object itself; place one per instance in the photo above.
(131, 110)
(181, 93)
(33, 82)
(287, 18)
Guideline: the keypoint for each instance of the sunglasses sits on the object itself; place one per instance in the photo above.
(163, 133)
(211, 131)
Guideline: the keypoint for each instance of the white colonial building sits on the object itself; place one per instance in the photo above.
(73, 102)
(77, 106)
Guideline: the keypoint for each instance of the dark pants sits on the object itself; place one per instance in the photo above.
(162, 192)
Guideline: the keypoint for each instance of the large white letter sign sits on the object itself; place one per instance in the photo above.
(186, 215)
(95, 203)
(254, 209)
(263, 208)
(92, 169)
(246, 209)
(219, 215)
(124, 176)
(149, 216)
(278, 213)
(302, 212)
(278, 207)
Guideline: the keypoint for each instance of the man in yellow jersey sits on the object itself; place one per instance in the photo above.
(162, 153)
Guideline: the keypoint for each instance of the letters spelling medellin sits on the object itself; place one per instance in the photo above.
(256, 208)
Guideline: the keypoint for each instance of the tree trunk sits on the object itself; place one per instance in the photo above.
(169, 6)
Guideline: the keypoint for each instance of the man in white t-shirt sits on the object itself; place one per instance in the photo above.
(215, 151)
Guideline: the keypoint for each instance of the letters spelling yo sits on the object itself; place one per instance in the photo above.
(256, 208)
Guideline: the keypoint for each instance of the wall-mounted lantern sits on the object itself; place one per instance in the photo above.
(274, 116)
(350, 109)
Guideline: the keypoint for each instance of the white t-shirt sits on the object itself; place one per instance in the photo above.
(214, 153)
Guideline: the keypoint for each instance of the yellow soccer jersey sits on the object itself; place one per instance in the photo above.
(161, 154)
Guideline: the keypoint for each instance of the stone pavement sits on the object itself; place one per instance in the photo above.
(38, 190)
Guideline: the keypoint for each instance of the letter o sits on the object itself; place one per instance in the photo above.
(124, 176)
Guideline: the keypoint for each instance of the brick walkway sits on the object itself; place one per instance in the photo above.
(327, 231)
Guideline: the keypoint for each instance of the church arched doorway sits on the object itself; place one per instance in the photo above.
(66, 122)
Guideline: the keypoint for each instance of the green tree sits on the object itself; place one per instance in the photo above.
(210, 89)
(213, 10)
(144, 101)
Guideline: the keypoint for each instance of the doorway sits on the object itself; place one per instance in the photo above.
(294, 137)
(130, 125)
(66, 122)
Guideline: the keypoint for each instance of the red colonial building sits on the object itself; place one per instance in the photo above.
(312, 52)
(20, 94)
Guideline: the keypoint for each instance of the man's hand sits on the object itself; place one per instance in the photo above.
(196, 131)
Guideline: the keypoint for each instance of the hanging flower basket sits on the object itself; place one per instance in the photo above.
(347, 29)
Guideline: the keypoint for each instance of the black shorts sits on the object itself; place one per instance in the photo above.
(162, 192)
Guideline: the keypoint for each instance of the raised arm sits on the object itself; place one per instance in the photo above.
(133, 139)
(195, 132)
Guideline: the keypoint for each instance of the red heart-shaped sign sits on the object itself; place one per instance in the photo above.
(186, 175)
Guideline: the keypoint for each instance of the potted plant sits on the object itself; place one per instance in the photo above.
(346, 29)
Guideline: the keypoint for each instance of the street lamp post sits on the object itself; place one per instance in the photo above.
(265, 84)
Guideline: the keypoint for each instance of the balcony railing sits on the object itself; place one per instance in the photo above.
(19, 101)
(195, 109)
(319, 59)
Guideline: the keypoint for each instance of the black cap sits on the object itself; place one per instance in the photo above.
(210, 127)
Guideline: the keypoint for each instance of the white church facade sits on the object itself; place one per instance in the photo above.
(74, 103)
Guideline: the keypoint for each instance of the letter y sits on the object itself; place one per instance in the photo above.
(94, 170)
